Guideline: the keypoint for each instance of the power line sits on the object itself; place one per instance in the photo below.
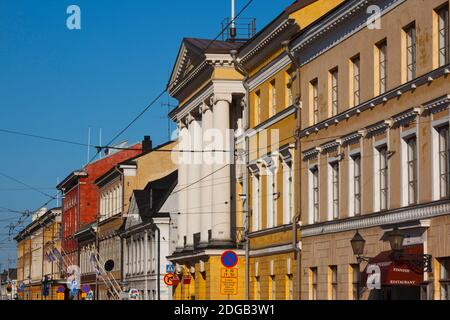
(26, 185)
(165, 89)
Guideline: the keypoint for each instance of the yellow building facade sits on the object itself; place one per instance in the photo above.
(274, 244)
(38, 250)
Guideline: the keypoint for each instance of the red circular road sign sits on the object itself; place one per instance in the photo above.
(229, 259)
(168, 279)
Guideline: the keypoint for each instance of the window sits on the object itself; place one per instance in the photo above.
(443, 34)
(273, 288)
(256, 201)
(313, 284)
(315, 194)
(272, 197)
(257, 288)
(289, 87)
(356, 184)
(445, 279)
(356, 66)
(382, 66)
(315, 100)
(334, 91)
(412, 170)
(288, 192)
(444, 161)
(289, 287)
(355, 274)
(258, 107)
(335, 188)
(410, 33)
(273, 96)
(383, 176)
(333, 283)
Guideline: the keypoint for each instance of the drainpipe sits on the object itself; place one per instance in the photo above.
(240, 68)
(298, 217)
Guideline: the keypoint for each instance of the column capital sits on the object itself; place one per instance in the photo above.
(227, 97)
(206, 106)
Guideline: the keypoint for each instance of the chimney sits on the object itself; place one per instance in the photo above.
(147, 144)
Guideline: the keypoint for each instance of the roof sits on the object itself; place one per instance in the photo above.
(150, 200)
(49, 216)
(212, 46)
(297, 5)
(71, 179)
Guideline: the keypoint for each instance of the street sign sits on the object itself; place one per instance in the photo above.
(170, 268)
(134, 294)
(229, 281)
(187, 280)
(61, 289)
(229, 286)
(86, 288)
(229, 259)
(168, 279)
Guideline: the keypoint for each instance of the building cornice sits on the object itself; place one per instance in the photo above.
(381, 99)
(392, 217)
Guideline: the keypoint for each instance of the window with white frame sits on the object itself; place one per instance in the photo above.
(258, 108)
(410, 33)
(334, 91)
(443, 133)
(355, 185)
(288, 192)
(334, 190)
(381, 175)
(256, 202)
(382, 66)
(314, 195)
(289, 87)
(445, 279)
(273, 96)
(272, 196)
(443, 34)
(410, 194)
(315, 100)
(356, 66)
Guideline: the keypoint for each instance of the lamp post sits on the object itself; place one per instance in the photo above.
(358, 244)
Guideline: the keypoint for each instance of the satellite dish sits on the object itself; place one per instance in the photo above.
(109, 265)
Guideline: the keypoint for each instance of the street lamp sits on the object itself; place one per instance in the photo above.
(358, 244)
(396, 239)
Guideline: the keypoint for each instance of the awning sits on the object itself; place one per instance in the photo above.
(394, 273)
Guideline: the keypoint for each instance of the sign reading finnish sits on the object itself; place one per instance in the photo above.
(229, 259)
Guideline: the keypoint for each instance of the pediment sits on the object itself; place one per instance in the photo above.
(189, 57)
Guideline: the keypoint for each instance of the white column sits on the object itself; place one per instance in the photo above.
(221, 216)
(182, 183)
(194, 172)
(207, 169)
(146, 264)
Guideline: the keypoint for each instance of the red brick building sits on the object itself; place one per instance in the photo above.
(80, 199)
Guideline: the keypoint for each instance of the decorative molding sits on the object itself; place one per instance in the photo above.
(263, 43)
(430, 210)
(271, 121)
(271, 250)
(269, 71)
(381, 99)
(437, 105)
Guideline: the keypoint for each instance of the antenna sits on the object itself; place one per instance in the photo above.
(57, 193)
(89, 145)
(100, 138)
(233, 22)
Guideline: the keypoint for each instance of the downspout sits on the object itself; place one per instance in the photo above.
(122, 179)
(298, 217)
(158, 267)
(240, 68)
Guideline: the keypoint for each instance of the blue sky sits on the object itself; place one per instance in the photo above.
(58, 83)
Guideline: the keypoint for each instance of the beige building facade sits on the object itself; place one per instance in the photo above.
(375, 93)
